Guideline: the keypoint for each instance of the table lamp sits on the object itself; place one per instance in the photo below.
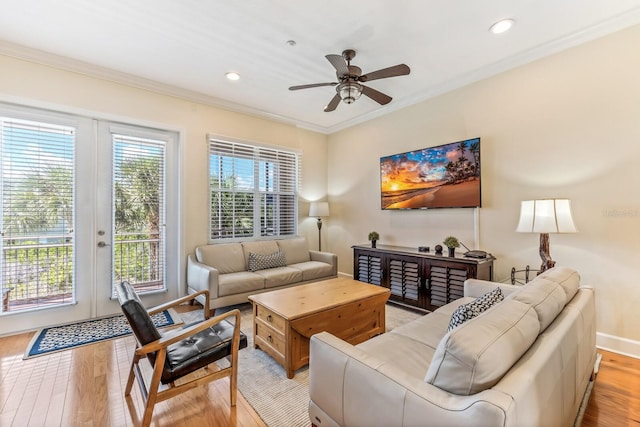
(319, 209)
(544, 217)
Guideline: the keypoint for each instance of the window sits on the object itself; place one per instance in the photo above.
(138, 212)
(253, 191)
(37, 221)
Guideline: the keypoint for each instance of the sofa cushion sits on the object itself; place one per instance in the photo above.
(410, 356)
(546, 297)
(312, 270)
(474, 308)
(474, 356)
(281, 276)
(295, 250)
(225, 257)
(263, 247)
(262, 262)
(429, 329)
(240, 282)
(567, 278)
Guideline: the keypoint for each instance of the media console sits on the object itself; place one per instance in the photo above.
(421, 280)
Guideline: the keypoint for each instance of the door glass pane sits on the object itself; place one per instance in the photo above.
(37, 175)
(139, 212)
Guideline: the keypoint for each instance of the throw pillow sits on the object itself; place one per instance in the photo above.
(262, 262)
(474, 308)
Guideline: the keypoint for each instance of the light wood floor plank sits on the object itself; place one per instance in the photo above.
(85, 387)
(615, 399)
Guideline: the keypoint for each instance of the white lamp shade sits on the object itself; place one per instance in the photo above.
(318, 209)
(546, 216)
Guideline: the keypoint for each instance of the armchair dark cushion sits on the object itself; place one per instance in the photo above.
(138, 317)
(199, 350)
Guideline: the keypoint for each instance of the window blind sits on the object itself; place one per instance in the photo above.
(139, 212)
(253, 190)
(37, 173)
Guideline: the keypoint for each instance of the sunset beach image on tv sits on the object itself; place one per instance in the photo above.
(446, 176)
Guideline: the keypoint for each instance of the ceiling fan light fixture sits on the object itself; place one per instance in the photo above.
(350, 92)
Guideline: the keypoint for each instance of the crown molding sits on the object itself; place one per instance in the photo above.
(95, 71)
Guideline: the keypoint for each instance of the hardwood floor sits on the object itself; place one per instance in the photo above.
(615, 399)
(85, 387)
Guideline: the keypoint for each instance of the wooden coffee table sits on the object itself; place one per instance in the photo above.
(285, 319)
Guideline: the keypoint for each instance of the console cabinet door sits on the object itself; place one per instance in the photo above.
(446, 281)
(405, 279)
(368, 268)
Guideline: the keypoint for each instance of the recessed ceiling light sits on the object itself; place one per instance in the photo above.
(233, 76)
(291, 43)
(502, 26)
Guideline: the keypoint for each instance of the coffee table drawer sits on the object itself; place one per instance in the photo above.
(270, 318)
(270, 337)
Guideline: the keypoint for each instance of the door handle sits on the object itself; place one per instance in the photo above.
(102, 244)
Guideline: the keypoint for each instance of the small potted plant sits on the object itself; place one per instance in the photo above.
(374, 236)
(452, 243)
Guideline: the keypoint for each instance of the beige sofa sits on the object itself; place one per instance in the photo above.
(526, 361)
(224, 269)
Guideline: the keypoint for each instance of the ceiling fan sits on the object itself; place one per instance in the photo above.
(349, 86)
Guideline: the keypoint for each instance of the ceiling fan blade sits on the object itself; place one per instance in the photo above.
(339, 64)
(333, 103)
(396, 70)
(377, 96)
(312, 85)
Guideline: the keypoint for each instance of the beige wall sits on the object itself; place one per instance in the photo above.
(564, 126)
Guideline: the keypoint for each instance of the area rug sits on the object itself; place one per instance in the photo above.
(278, 400)
(64, 337)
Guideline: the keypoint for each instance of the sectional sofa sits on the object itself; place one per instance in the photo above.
(524, 361)
(233, 271)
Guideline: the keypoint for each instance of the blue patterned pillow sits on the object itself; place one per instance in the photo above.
(474, 308)
(262, 262)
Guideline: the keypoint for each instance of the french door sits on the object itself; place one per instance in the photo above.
(85, 204)
(131, 223)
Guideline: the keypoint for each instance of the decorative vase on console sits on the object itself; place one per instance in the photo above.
(452, 243)
(373, 236)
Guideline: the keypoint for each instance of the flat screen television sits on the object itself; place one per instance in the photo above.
(445, 176)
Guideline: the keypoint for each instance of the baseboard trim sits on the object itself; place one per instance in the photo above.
(624, 346)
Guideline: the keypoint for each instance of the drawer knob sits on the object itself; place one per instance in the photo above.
(270, 339)
(269, 318)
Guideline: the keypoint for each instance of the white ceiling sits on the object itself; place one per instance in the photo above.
(185, 47)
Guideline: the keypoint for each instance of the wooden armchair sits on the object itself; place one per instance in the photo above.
(179, 352)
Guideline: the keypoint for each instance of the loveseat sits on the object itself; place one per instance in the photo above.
(233, 271)
(524, 361)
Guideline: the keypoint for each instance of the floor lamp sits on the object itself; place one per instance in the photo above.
(319, 209)
(544, 217)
